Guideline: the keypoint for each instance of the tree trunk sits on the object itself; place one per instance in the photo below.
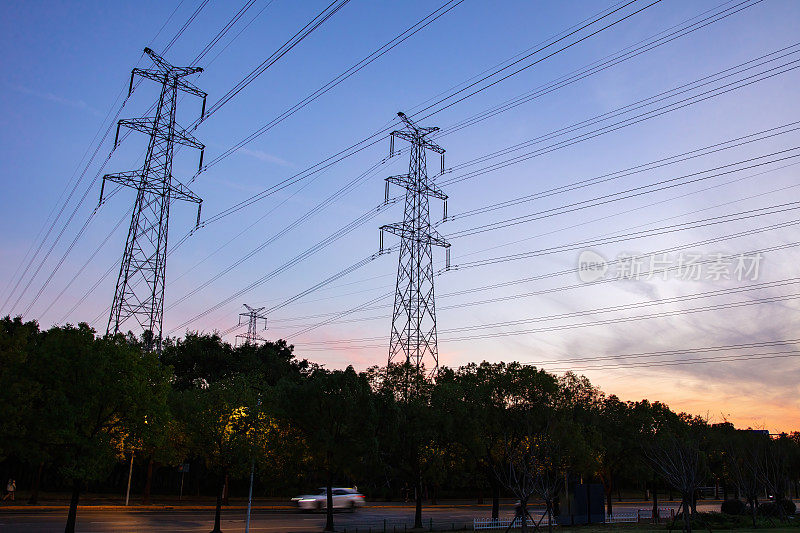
(687, 519)
(609, 491)
(218, 514)
(225, 490)
(694, 502)
(329, 500)
(73, 507)
(148, 484)
(418, 498)
(655, 503)
(37, 481)
(495, 498)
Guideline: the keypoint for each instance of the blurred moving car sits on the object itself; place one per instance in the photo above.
(343, 498)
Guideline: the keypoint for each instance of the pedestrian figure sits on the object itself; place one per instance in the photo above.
(11, 488)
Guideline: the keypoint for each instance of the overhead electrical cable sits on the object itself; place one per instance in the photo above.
(293, 41)
(738, 142)
(680, 104)
(632, 192)
(684, 28)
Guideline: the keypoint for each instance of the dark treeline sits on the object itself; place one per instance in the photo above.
(75, 407)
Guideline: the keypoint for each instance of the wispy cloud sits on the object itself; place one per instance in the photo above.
(51, 97)
(264, 156)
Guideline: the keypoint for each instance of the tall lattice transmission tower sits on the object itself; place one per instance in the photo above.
(252, 315)
(140, 285)
(413, 333)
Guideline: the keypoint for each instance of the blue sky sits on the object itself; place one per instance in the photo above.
(66, 63)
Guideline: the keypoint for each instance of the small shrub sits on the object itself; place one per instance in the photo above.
(768, 510)
(788, 507)
(733, 507)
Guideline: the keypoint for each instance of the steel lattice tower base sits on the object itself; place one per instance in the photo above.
(139, 292)
(413, 335)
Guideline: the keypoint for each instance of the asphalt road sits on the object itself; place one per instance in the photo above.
(366, 519)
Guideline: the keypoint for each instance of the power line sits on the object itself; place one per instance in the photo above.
(240, 32)
(684, 28)
(253, 199)
(293, 41)
(737, 142)
(743, 215)
(701, 349)
(373, 56)
(286, 229)
(374, 138)
(221, 33)
(325, 242)
(663, 251)
(689, 361)
(680, 104)
(561, 288)
(528, 56)
(729, 69)
(633, 192)
(342, 344)
(670, 160)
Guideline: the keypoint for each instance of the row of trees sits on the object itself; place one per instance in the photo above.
(76, 407)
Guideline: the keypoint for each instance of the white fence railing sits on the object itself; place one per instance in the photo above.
(622, 516)
(629, 516)
(663, 512)
(639, 514)
(483, 524)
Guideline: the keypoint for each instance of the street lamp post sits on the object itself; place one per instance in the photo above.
(130, 474)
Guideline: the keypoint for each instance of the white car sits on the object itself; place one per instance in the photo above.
(343, 498)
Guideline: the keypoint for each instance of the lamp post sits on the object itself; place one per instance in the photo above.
(250, 492)
(130, 474)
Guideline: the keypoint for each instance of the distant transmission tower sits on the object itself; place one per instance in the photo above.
(414, 316)
(140, 285)
(253, 316)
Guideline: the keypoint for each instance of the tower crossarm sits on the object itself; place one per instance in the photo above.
(179, 191)
(161, 76)
(164, 66)
(133, 179)
(410, 184)
(418, 138)
(406, 231)
(147, 125)
(419, 130)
